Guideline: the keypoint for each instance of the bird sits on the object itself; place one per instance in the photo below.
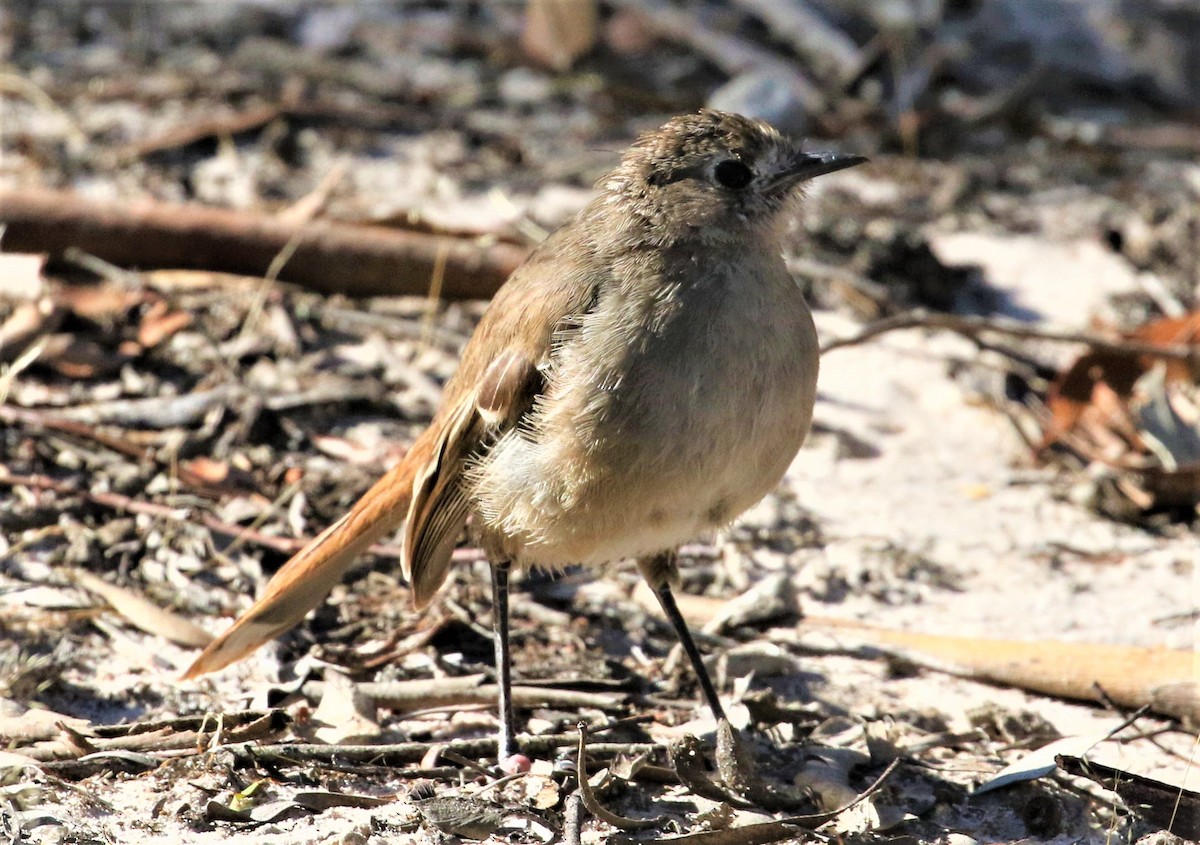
(645, 376)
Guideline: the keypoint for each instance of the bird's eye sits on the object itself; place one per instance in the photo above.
(732, 174)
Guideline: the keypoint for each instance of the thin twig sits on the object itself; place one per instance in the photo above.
(593, 803)
(972, 327)
(409, 696)
(127, 504)
(406, 753)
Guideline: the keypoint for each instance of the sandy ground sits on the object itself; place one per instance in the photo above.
(945, 527)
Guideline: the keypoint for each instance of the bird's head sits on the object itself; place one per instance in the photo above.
(713, 172)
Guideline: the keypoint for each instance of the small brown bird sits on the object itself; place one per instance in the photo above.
(644, 377)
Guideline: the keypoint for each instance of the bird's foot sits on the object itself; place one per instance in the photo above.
(739, 774)
(514, 764)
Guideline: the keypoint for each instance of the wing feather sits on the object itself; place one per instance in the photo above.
(440, 505)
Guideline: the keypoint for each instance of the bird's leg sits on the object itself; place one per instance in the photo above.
(658, 571)
(507, 742)
(734, 763)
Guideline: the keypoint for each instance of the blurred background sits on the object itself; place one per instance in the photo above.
(431, 102)
(241, 245)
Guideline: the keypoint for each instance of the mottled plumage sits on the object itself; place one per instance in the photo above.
(644, 377)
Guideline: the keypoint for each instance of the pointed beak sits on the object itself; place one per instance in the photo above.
(807, 166)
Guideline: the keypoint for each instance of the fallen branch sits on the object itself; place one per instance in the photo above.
(75, 744)
(329, 257)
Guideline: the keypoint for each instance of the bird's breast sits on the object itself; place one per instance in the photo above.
(663, 421)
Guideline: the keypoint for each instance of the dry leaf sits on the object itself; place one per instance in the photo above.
(345, 714)
(144, 614)
(541, 793)
(79, 357)
(1040, 762)
(99, 302)
(160, 322)
(1075, 388)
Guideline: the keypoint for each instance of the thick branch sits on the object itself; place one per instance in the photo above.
(330, 257)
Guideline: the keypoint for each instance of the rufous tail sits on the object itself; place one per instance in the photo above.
(304, 581)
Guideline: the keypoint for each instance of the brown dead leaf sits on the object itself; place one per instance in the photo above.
(1174, 330)
(193, 280)
(350, 451)
(1073, 392)
(1102, 375)
(1108, 427)
(159, 323)
(206, 470)
(221, 477)
(345, 713)
(541, 793)
(99, 302)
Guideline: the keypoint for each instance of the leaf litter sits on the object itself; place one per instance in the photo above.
(174, 434)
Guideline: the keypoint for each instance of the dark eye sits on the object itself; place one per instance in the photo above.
(732, 174)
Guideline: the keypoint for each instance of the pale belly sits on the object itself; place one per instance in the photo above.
(690, 436)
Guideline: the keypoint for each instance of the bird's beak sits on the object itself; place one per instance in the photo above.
(807, 166)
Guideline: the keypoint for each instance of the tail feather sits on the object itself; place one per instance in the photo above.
(305, 580)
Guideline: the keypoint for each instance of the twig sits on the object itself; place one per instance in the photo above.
(193, 131)
(593, 804)
(330, 257)
(36, 419)
(573, 819)
(162, 739)
(155, 411)
(120, 502)
(972, 327)
(406, 753)
(407, 696)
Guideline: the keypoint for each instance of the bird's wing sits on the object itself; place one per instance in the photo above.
(553, 285)
(439, 503)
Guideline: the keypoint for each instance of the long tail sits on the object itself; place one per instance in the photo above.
(305, 580)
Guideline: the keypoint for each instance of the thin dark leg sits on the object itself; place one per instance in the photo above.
(503, 659)
(667, 600)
